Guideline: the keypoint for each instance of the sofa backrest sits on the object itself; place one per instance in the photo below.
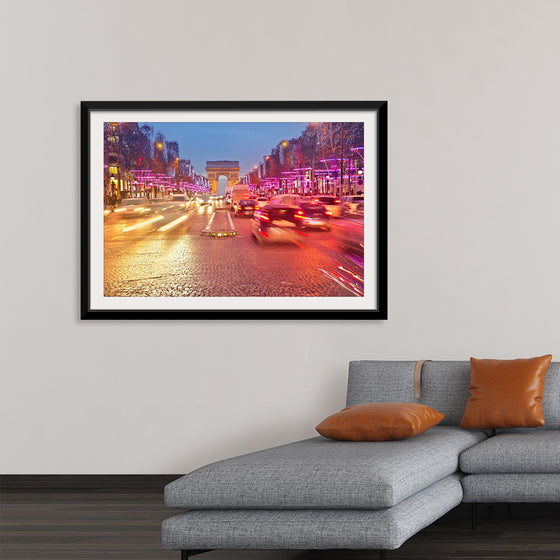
(445, 387)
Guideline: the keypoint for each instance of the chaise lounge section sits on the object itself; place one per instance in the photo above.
(325, 494)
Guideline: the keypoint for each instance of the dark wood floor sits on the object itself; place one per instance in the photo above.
(91, 524)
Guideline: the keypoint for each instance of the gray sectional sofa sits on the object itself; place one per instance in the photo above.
(325, 494)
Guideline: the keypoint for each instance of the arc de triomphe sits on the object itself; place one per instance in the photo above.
(229, 169)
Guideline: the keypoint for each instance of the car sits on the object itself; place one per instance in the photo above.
(203, 199)
(289, 199)
(350, 234)
(238, 192)
(262, 201)
(132, 207)
(179, 200)
(351, 203)
(331, 203)
(312, 215)
(276, 223)
(245, 207)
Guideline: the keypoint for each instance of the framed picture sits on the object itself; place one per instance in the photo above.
(241, 210)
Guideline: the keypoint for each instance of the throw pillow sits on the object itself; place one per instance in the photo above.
(382, 421)
(506, 393)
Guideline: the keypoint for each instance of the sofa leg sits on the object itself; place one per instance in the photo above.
(473, 516)
(186, 554)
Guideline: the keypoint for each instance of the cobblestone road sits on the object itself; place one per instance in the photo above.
(162, 252)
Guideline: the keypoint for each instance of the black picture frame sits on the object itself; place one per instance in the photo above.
(379, 311)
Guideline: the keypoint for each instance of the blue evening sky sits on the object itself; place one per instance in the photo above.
(246, 142)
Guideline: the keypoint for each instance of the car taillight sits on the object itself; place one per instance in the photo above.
(328, 213)
(337, 201)
(265, 218)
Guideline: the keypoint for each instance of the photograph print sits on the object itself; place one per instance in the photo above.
(234, 210)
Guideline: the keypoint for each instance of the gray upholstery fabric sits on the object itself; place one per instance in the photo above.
(444, 387)
(531, 451)
(312, 529)
(551, 396)
(511, 488)
(375, 381)
(322, 473)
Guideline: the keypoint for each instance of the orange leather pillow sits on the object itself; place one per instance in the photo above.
(382, 421)
(506, 393)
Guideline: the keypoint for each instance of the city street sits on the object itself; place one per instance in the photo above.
(159, 250)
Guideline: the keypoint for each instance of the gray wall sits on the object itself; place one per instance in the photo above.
(474, 171)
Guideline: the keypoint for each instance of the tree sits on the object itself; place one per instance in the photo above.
(148, 133)
(134, 146)
(159, 161)
(309, 148)
(172, 149)
(336, 140)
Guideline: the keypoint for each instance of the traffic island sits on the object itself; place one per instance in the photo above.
(220, 225)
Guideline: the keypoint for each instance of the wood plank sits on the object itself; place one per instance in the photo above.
(119, 482)
(95, 524)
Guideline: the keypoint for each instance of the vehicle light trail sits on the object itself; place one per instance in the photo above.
(356, 276)
(141, 224)
(230, 222)
(173, 223)
(209, 224)
(352, 290)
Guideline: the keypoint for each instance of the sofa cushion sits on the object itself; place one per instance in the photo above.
(491, 488)
(506, 393)
(312, 529)
(445, 387)
(551, 397)
(321, 473)
(524, 451)
(379, 422)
